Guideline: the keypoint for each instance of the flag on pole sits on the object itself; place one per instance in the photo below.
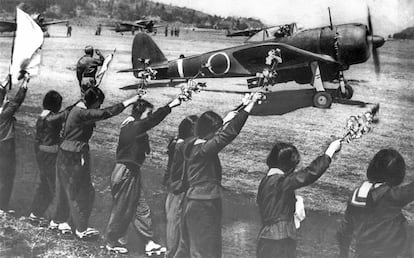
(104, 68)
(27, 44)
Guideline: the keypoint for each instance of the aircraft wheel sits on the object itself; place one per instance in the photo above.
(322, 99)
(349, 92)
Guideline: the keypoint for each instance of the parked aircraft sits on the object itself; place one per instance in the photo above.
(312, 56)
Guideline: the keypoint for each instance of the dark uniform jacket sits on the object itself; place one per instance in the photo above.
(276, 198)
(375, 221)
(80, 123)
(203, 166)
(48, 129)
(7, 119)
(133, 142)
(87, 66)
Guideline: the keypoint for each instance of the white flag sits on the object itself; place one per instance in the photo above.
(104, 68)
(27, 44)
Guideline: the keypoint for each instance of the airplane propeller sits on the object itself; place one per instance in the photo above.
(376, 42)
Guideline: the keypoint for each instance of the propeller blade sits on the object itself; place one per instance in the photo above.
(375, 42)
(371, 30)
(376, 61)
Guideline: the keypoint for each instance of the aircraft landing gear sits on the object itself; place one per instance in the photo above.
(349, 92)
(344, 90)
(322, 99)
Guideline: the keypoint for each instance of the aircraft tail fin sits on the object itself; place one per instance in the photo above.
(144, 47)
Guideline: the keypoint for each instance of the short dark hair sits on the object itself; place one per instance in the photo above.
(52, 101)
(139, 107)
(93, 95)
(89, 50)
(387, 166)
(209, 122)
(283, 156)
(186, 127)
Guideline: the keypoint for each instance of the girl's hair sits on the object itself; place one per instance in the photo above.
(283, 156)
(93, 95)
(139, 107)
(209, 122)
(186, 127)
(52, 101)
(387, 166)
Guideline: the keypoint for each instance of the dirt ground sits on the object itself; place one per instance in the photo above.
(310, 129)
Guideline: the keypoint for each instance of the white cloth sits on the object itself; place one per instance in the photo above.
(27, 44)
(299, 215)
(127, 121)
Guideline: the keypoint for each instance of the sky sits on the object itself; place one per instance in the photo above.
(389, 16)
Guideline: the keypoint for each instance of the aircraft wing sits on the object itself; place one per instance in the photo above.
(53, 22)
(131, 24)
(6, 26)
(243, 33)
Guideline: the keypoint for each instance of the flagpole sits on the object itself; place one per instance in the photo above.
(12, 48)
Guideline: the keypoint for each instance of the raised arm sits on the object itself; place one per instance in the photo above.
(93, 115)
(314, 171)
(13, 105)
(403, 194)
(231, 128)
(99, 61)
(59, 117)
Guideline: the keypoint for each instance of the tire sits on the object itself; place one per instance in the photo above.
(322, 99)
(349, 92)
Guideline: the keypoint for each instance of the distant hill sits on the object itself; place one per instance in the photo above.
(407, 33)
(131, 10)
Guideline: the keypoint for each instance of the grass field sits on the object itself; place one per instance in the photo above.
(310, 129)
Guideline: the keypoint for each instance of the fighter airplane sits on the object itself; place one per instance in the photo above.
(139, 25)
(243, 33)
(312, 56)
(10, 26)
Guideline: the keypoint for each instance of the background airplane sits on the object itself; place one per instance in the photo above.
(243, 33)
(139, 25)
(10, 26)
(312, 56)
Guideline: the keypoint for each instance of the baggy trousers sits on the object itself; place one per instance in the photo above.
(128, 200)
(174, 211)
(201, 229)
(46, 189)
(269, 248)
(7, 171)
(76, 189)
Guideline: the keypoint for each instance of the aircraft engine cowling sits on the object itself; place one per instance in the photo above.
(353, 44)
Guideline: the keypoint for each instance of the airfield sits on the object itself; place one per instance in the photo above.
(309, 129)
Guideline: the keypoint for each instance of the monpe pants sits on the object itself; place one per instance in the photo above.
(46, 189)
(75, 187)
(128, 200)
(269, 248)
(174, 210)
(7, 171)
(201, 229)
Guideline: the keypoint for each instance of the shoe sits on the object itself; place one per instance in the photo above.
(53, 225)
(37, 221)
(87, 234)
(117, 249)
(152, 248)
(65, 229)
